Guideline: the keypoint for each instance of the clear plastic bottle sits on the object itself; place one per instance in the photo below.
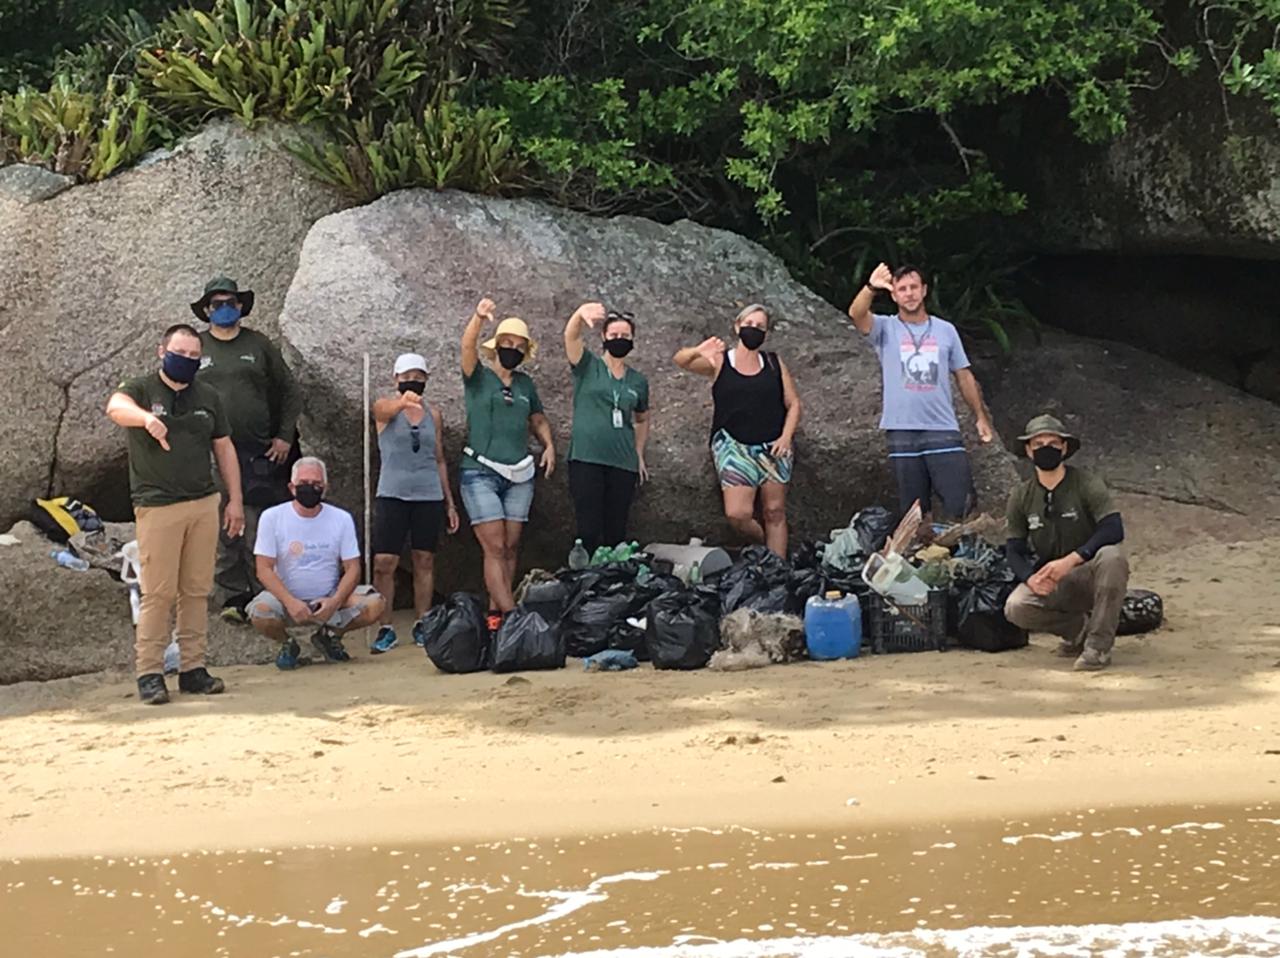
(66, 559)
(579, 559)
(695, 574)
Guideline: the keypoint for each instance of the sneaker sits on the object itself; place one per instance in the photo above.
(419, 637)
(494, 621)
(290, 657)
(1069, 650)
(152, 690)
(1091, 660)
(329, 644)
(235, 614)
(385, 642)
(199, 681)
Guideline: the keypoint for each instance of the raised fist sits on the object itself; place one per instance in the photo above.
(881, 278)
(592, 313)
(486, 309)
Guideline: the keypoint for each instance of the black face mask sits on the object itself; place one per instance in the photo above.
(308, 495)
(752, 336)
(1048, 458)
(412, 386)
(509, 357)
(617, 348)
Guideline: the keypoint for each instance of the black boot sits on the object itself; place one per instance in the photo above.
(152, 690)
(198, 680)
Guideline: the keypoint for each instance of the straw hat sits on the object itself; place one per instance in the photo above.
(511, 326)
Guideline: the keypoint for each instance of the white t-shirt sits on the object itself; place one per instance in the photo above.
(309, 551)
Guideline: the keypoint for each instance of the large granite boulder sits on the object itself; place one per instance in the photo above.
(93, 275)
(404, 273)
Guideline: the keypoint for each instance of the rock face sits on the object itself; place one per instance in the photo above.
(405, 273)
(1147, 425)
(56, 622)
(92, 276)
(25, 184)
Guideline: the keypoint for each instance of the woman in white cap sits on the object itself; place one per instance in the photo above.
(414, 499)
(497, 469)
(757, 411)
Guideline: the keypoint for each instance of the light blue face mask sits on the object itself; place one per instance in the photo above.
(228, 314)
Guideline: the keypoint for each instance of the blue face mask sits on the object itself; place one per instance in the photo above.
(228, 314)
(179, 368)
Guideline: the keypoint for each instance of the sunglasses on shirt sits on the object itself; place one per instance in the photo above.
(508, 396)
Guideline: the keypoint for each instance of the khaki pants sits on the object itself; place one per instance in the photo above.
(1085, 605)
(177, 545)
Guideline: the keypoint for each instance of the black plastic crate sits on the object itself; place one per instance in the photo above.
(892, 631)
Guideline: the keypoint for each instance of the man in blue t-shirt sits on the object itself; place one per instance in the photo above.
(919, 354)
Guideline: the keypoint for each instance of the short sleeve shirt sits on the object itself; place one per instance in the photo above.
(498, 417)
(916, 363)
(598, 436)
(309, 550)
(195, 418)
(1059, 522)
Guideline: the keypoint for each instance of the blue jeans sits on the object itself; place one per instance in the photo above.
(488, 497)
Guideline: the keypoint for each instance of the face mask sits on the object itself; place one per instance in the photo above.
(752, 336)
(617, 348)
(308, 495)
(179, 368)
(1047, 458)
(228, 314)
(509, 358)
(412, 386)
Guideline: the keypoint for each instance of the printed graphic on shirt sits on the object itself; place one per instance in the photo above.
(921, 362)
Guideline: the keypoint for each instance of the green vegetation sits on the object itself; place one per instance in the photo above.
(836, 132)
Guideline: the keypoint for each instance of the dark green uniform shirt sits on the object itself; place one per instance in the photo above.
(1059, 522)
(257, 389)
(497, 423)
(597, 436)
(195, 418)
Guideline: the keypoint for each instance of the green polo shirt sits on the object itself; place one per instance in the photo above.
(1059, 522)
(195, 418)
(257, 389)
(498, 429)
(597, 437)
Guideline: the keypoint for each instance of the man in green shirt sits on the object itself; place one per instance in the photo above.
(1065, 544)
(262, 404)
(174, 423)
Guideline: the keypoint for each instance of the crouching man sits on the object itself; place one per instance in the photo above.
(308, 561)
(1064, 545)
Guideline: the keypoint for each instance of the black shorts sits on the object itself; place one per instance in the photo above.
(393, 519)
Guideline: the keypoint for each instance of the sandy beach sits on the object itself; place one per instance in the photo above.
(387, 747)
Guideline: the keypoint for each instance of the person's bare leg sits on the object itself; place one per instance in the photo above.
(492, 537)
(424, 583)
(384, 580)
(740, 510)
(273, 629)
(373, 606)
(514, 530)
(773, 496)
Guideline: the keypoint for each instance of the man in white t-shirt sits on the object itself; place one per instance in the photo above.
(308, 561)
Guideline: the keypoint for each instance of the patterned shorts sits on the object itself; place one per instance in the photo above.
(740, 464)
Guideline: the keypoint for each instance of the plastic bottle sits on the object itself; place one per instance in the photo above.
(67, 560)
(695, 574)
(600, 556)
(833, 626)
(578, 557)
(172, 658)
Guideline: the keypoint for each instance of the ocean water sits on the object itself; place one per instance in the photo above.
(1123, 884)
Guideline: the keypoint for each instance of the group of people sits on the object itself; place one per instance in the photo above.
(285, 561)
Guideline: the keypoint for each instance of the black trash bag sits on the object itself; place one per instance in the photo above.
(1142, 611)
(526, 642)
(684, 628)
(625, 637)
(758, 580)
(548, 599)
(980, 621)
(585, 626)
(873, 526)
(807, 555)
(804, 584)
(457, 637)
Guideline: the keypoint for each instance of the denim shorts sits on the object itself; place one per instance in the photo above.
(266, 606)
(489, 497)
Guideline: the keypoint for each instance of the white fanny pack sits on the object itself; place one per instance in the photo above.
(522, 471)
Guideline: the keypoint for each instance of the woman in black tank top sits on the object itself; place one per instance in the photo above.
(756, 414)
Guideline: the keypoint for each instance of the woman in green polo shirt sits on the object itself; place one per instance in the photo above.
(497, 469)
(610, 426)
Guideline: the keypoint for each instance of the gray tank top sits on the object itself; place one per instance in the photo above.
(406, 474)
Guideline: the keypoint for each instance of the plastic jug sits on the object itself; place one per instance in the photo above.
(895, 578)
(833, 626)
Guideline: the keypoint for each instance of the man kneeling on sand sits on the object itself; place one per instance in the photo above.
(308, 561)
(1065, 544)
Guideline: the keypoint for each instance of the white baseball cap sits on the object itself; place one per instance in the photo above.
(407, 362)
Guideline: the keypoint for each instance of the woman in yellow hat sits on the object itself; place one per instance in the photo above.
(497, 469)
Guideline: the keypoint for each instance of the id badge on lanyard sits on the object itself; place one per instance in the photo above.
(617, 413)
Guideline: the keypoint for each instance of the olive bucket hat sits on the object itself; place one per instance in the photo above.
(222, 284)
(1051, 425)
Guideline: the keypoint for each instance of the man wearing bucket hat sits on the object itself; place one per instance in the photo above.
(262, 404)
(497, 471)
(1065, 544)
